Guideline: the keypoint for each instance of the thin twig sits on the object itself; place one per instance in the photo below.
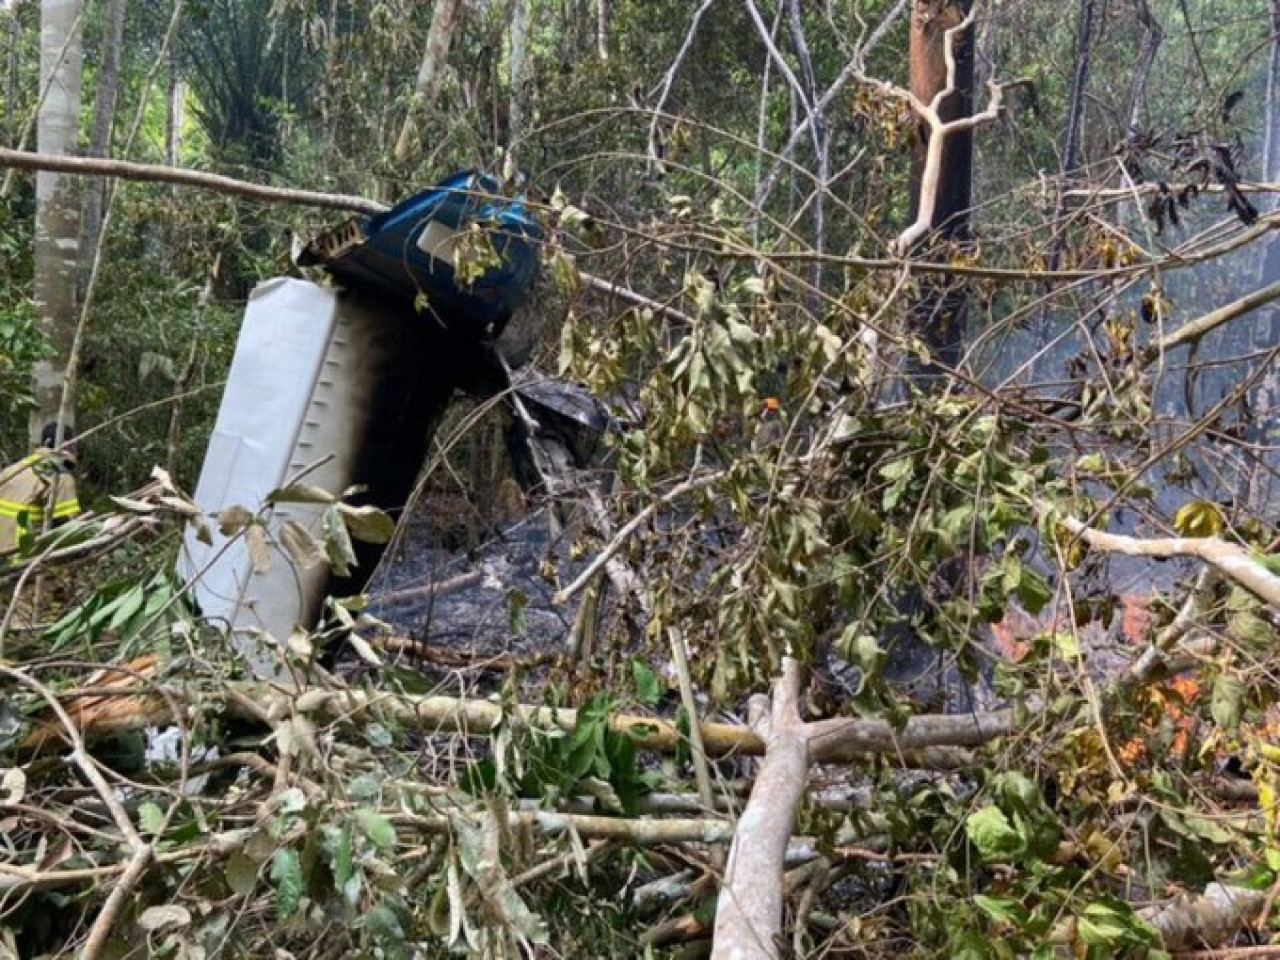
(629, 529)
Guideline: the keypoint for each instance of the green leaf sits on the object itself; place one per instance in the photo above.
(126, 607)
(1271, 562)
(897, 469)
(342, 554)
(286, 876)
(377, 828)
(241, 873)
(365, 786)
(150, 818)
(345, 875)
(1112, 924)
(368, 524)
(384, 925)
(648, 686)
(1000, 909)
(1199, 518)
(1033, 591)
(994, 836)
(1227, 702)
(300, 493)
(1066, 645)
(517, 600)
(376, 735)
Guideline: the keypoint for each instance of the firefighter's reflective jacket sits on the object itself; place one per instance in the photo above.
(43, 481)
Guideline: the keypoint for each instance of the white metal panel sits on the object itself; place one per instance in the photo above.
(295, 397)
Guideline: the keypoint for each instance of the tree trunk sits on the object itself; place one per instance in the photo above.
(519, 56)
(1070, 150)
(430, 73)
(749, 910)
(602, 29)
(1265, 403)
(939, 312)
(1152, 36)
(1079, 79)
(173, 117)
(57, 240)
(100, 126)
(13, 82)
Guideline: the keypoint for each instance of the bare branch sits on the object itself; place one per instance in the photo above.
(1193, 331)
(1228, 559)
(629, 529)
(851, 72)
(156, 173)
(669, 78)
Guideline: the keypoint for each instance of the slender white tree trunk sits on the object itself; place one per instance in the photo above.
(102, 123)
(519, 58)
(1263, 491)
(1271, 130)
(12, 83)
(602, 29)
(57, 241)
(430, 72)
(174, 99)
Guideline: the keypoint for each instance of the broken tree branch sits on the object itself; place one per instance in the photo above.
(157, 173)
(1210, 918)
(1227, 558)
(1156, 653)
(1192, 332)
(623, 293)
(923, 740)
(749, 911)
(629, 529)
(142, 852)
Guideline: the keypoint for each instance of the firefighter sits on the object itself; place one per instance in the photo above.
(42, 482)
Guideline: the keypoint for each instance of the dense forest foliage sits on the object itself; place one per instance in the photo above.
(918, 599)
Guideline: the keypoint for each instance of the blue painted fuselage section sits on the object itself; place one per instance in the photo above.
(392, 261)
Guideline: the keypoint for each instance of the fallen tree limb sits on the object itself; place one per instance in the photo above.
(641, 832)
(1145, 189)
(426, 652)
(157, 173)
(109, 538)
(1187, 920)
(428, 591)
(1228, 559)
(142, 853)
(1156, 654)
(628, 530)
(1194, 330)
(927, 740)
(1211, 918)
(834, 740)
(623, 293)
(749, 911)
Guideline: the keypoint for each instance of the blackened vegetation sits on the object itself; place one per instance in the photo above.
(1202, 161)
